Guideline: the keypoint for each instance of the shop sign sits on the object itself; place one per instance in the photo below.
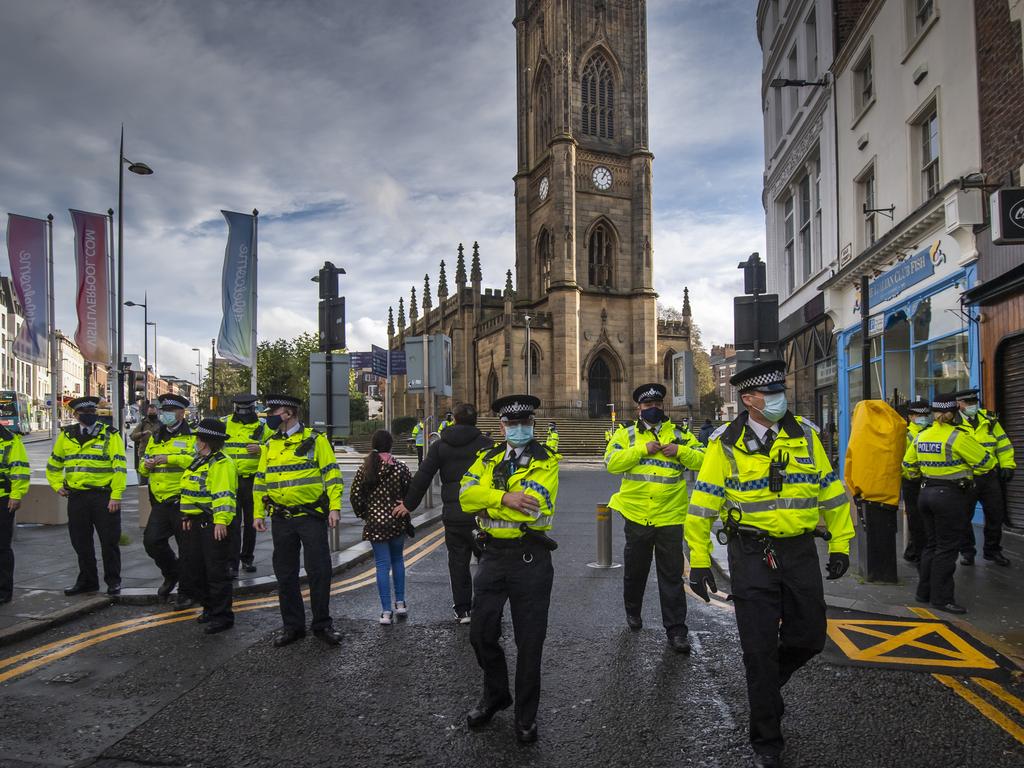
(1008, 216)
(876, 325)
(825, 373)
(908, 272)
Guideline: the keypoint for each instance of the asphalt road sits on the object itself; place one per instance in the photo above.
(153, 693)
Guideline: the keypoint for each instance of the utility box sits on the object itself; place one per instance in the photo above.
(440, 364)
(684, 381)
(336, 422)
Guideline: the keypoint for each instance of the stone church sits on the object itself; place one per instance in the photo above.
(583, 290)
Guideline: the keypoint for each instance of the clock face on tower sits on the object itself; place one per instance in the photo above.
(543, 191)
(602, 178)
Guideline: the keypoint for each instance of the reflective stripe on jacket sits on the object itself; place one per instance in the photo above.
(552, 440)
(989, 433)
(14, 466)
(293, 480)
(539, 479)
(417, 433)
(945, 452)
(96, 463)
(734, 475)
(180, 449)
(209, 485)
(240, 436)
(653, 490)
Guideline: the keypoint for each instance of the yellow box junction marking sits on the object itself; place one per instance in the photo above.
(922, 636)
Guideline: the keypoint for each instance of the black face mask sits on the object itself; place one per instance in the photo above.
(87, 419)
(245, 415)
(652, 415)
(274, 422)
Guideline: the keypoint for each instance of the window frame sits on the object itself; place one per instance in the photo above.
(598, 111)
(789, 239)
(601, 231)
(811, 43)
(867, 192)
(864, 92)
(929, 152)
(804, 229)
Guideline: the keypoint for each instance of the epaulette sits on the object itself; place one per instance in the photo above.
(718, 432)
(490, 453)
(809, 423)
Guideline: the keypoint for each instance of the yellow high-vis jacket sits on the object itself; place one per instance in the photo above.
(986, 430)
(653, 490)
(297, 470)
(552, 440)
(240, 436)
(83, 462)
(209, 485)
(180, 449)
(481, 491)
(945, 452)
(734, 476)
(15, 472)
(417, 433)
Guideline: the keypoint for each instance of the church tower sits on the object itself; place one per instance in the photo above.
(583, 196)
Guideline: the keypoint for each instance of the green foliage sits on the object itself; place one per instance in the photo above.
(403, 425)
(358, 408)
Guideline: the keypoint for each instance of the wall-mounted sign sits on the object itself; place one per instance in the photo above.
(908, 272)
(1008, 216)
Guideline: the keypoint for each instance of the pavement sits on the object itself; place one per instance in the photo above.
(137, 685)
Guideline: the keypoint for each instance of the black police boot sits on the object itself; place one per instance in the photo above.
(634, 622)
(248, 567)
(287, 637)
(234, 574)
(767, 761)
(329, 635)
(79, 589)
(526, 734)
(221, 626)
(203, 618)
(950, 608)
(167, 587)
(999, 559)
(114, 590)
(679, 644)
(482, 714)
(966, 559)
(183, 603)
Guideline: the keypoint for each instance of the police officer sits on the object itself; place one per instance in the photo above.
(985, 428)
(767, 476)
(14, 480)
(948, 461)
(246, 434)
(87, 466)
(512, 489)
(418, 435)
(650, 455)
(169, 451)
(299, 485)
(208, 504)
(448, 421)
(552, 439)
(919, 416)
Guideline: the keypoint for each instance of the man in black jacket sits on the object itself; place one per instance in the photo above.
(452, 454)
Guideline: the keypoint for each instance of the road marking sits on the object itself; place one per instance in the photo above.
(1000, 693)
(69, 646)
(924, 613)
(894, 635)
(983, 706)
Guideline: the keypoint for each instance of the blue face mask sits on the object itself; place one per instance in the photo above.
(971, 410)
(922, 421)
(775, 406)
(519, 434)
(167, 418)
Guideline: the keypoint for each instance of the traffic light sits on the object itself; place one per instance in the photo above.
(332, 308)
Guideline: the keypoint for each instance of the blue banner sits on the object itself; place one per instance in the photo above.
(235, 341)
(911, 270)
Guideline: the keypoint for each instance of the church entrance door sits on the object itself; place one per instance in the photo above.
(599, 380)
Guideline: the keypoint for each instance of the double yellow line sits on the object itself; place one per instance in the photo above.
(22, 663)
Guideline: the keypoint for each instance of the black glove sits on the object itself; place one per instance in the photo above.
(838, 564)
(702, 580)
(1005, 474)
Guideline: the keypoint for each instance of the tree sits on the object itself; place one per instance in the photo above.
(358, 408)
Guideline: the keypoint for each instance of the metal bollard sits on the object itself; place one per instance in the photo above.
(604, 539)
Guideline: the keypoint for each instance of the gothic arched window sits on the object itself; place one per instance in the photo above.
(598, 99)
(600, 251)
(542, 111)
(534, 360)
(544, 250)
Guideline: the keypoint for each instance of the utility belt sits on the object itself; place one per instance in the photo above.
(751, 537)
(92, 489)
(963, 484)
(530, 537)
(203, 519)
(318, 510)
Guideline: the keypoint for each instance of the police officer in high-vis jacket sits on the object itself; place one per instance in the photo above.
(419, 434)
(766, 475)
(512, 489)
(87, 466)
(298, 485)
(650, 456)
(169, 451)
(246, 434)
(989, 487)
(15, 475)
(947, 461)
(919, 417)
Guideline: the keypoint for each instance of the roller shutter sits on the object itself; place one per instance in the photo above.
(1010, 394)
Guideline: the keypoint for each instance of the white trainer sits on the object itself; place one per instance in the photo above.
(385, 618)
(401, 609)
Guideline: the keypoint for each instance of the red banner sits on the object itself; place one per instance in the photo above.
(93, 334)
(26, 248)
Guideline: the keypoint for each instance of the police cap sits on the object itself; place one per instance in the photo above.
(170, 402)
(214, 428)
(967, 395)
(515, 406)
(945, 402)
(768, 376)
(277, 401)
(645, 393)
(245, 399)
(919, 406)
(84, 403)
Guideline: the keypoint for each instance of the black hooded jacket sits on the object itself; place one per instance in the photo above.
(452, 454)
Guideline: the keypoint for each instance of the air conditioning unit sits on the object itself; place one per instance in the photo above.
(963, 209)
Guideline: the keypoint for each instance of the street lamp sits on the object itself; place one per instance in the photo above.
(145, 342)
(199, 364)
(142, 170)
(528, 351)
(156, 371)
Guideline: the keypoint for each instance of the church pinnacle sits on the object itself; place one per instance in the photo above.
(391, 322)
(460, 268)
(442, 284)
(475, 274)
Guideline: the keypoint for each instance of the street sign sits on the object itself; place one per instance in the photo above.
(361, 360)
(339, 372)
(756, 321)
(379, 361)
(398, 367)
(1008, 216)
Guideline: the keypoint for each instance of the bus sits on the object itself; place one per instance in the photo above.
(14, 412)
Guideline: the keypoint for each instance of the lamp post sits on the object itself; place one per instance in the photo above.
(528, 350)
(142, 170)
(145, 343)
(199, 364)
(156, 371)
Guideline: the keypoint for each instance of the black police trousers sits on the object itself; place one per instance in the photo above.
(915, 524)
(946, 511)
(460, 540)
(164, 524)
(989, 491)
(204, 570)
(6, 551)
(665, 543)
(87, 511)
(241, 534)
(308, 534)
(780, 615)
(521, 575)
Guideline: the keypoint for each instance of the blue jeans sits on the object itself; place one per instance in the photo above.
(390, 562)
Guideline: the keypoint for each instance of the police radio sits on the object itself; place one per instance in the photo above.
(777, 472)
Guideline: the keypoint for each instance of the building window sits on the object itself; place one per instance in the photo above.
(544, 260)
(598, 99)
(863, 83)
(788, 247)
(542, 112)
(811, 36)
(777, 108)
(599, 251)
(793, 74)
(923, 11)
(818, 256)
(805, 227)
(928, 131)
(866, 187)
(534, 360)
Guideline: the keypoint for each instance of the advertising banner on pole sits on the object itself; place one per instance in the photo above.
(235, 341)
(26, 249)
(93, 302)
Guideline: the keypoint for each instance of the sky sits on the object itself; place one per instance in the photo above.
(377, 135)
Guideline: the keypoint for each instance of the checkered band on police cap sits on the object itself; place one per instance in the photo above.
(211, 428)
(276, 401)
(945, 402)
(771, 373)
(80, 403)
(515, 406)
(647, 392)
(173, 401)
(919, 406)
